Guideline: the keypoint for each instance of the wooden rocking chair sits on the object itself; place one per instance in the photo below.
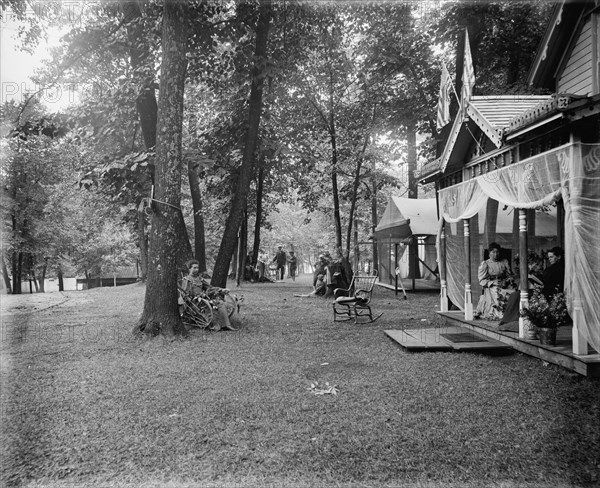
(353, 303)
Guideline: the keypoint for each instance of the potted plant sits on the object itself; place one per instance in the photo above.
(546, 315)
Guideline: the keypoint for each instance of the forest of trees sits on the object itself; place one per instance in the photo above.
(212, 129)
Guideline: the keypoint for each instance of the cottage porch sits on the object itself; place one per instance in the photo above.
(561, 354)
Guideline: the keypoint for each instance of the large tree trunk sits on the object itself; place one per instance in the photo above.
(43, 277)
(334, 183)
(31, 267)
(354, 196)
(161, 313)
(139, 55)
(247, 169)
(143, 243)
(147, 108)
(5, 275)
(199, 238)
(411, 160)
(17, 266)
(257, 223)
(374, 218)
(61, 281)
(233, 264)
(242, 249)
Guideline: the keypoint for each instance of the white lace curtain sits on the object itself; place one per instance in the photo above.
(570, 172)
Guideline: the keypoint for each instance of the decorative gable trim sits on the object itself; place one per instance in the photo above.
(451, 140)
(495, 135)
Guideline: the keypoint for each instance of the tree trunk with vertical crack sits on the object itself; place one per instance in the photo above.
(147, 108)
(161, 312)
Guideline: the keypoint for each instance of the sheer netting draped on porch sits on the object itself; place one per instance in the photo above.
(490, 202)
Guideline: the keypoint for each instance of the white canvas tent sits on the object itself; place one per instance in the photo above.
(402, 219)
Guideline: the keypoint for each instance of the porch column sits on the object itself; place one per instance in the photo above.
(468, 297)
(580, 345)
(525, 328)
(442, 263)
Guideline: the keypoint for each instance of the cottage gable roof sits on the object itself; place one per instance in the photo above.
(499, 110)
(490, 115)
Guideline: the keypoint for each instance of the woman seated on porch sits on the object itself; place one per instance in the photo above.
(552, 280)
(495, 277)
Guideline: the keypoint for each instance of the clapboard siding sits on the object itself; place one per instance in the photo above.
(577, 75)
(578, 85)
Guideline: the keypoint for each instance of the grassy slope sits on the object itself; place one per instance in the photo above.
(85, 404)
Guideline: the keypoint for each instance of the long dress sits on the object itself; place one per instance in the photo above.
(196, 285)
(488, 272)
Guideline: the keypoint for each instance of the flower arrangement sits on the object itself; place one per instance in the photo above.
(506, 281)
(546, 314)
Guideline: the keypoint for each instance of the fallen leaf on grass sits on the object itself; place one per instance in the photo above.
(326, 390)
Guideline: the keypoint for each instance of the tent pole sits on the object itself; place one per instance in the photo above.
(396, 268)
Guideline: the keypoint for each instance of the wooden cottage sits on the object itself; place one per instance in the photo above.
(536, 161)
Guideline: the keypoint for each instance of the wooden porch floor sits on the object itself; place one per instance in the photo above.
(561, 354)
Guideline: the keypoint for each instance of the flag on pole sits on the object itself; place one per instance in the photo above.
(468, 75)
(443, 108)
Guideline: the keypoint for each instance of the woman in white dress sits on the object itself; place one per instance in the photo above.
(493, 275)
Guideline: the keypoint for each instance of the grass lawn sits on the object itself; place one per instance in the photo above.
(84, 404)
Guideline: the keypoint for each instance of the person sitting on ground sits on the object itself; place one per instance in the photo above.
(319, 289)
(320, 285)
(250, 273)
(196, 285)
(493, 275)
(320, 269)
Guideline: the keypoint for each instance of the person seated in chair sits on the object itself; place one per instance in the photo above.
(196, 285)
(553, 276)
(494, 275)
(552, 282)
